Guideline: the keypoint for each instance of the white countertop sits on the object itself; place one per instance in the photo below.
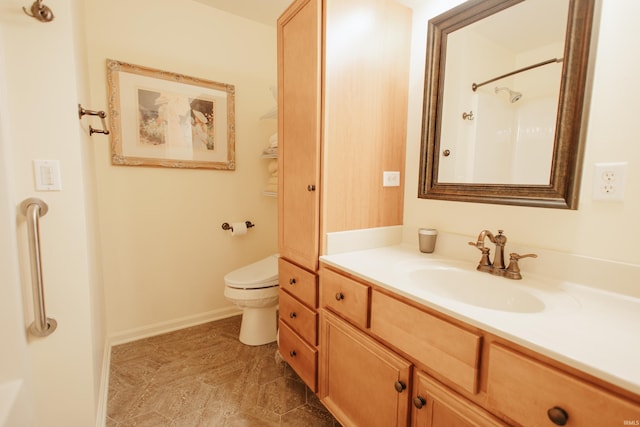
(590, 329)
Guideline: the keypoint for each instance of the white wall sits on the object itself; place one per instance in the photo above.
(164, 252)
(598, 229)
(43, 87)
(14, 357)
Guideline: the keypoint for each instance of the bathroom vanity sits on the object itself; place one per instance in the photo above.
(392, 352)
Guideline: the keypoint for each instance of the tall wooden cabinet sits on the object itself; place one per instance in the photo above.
(299, 132)
(343, 68)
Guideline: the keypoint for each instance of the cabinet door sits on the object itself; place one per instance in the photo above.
(436, 406)
(362, 382)
(299, 37)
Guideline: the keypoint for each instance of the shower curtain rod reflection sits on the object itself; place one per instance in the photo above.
(539, 64)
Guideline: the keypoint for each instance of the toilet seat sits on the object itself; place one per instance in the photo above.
(259, 275)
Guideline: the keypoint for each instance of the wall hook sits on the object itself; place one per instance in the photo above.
(40, 12)
(101, 114)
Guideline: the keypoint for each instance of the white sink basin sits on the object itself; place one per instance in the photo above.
(460, 282)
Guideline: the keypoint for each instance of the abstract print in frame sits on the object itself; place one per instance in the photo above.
(159, 118)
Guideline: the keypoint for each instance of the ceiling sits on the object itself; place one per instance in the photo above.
(263, 11)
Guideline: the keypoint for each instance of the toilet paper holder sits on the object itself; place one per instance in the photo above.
(226, 226)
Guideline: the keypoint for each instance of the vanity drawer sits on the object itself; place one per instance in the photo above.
(345, 296)
(298, 282)
(523, 390)
(300, 318)
(445, 349)
(299, 355)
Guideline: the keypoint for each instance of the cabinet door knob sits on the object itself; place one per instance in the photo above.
(311, 187)
(292, 353)
(339, 296)
(400, 386)
(558, 415)
(292, 281)
(419, 402)
(292, 315)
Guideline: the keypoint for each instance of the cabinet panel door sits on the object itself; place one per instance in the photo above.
(361, 381)
(436, 406)
(299, 98)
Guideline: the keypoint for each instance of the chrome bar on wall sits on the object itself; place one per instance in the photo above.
(475, 86)
(33, 209)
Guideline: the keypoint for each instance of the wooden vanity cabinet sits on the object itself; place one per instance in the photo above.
(462, 376)
(356, 368)
(342, 113)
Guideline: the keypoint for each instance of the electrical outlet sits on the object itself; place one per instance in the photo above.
(391, 179)
(609, 181)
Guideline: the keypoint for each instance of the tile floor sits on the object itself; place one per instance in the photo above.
(203, 376)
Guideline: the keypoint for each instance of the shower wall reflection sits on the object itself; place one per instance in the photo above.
(510, 137)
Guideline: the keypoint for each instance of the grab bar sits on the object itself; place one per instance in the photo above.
(33, 209)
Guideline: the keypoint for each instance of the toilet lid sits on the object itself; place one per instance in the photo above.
(260, 274)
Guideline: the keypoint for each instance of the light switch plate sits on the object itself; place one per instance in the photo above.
(47, 175)
(391, 179)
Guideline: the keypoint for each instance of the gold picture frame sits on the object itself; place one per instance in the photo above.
(164, 119)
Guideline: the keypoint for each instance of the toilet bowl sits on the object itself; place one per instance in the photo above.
(254, 288)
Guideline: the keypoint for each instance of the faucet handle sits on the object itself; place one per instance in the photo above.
(513, 270)
(485, 262)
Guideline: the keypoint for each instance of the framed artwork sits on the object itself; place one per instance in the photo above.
(159, 118)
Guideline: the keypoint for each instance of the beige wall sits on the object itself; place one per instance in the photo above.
(164, 252)
(606, 230)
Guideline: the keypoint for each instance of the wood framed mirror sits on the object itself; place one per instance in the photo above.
(505, 98)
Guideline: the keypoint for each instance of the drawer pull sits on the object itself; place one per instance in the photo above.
(400, 386)
(292, 281)
(419, 402)
(339, 296)
(292, 353)
(292, 315)
(558, 416)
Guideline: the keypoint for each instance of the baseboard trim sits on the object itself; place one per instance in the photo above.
(172, 325)
(145, 332)
(101, 410)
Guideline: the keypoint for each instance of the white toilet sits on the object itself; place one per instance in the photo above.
(254, 288)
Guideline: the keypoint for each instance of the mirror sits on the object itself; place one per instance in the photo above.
(505, 95)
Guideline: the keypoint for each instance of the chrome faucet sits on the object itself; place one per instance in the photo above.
(498, 267)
